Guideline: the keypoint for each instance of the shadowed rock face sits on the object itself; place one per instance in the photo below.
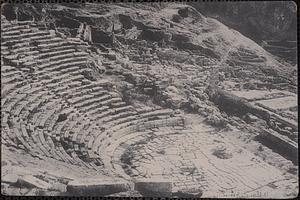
(68, 22)
(99, 36)
(233, 104)
(96, 187)
(154, 187)
(8, 12)
(126, 21)
(261, 21)
(152, 35)
(258, 20)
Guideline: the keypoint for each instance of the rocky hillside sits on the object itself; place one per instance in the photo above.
(272, 24)
(88, 87)
(174, 29)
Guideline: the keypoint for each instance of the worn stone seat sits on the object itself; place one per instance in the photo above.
(47, 39)
(119, 116)
(36, 107)
(12, 103)
(64, 83)
(58, 57)
(35, 35)
(20, 107)
(62, 61)
(78, 90)
(88, 96)
(78, 128)
(47, 116)
(72, 84)
(9, 28)
(25, 50)
(46, 54)
(33, 100)
(95, 112)
(157, 113)
(70, 137)
(39, 143)
(10, 73)
(69, 156)
(11, 79)
(26, 22)
(18, 135)
(100, 138)
(93, 103)
(11, 33)
(23, 39)
(7, 68)
(53, 44)
(10, 88)
(11, 137)
(73, 70)
(50, 50)
(46, 143)
(101, 115)
(60, 129)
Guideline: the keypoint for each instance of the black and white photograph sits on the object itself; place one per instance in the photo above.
(149, 99)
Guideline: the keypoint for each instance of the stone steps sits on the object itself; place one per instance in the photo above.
(31, 108)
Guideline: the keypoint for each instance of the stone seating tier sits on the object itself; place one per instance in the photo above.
(32, 107)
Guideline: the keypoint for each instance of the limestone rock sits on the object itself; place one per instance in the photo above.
(191, 193)
(154, 35)
(62, 117)
(97, 187)
(9, 178)
(31, 181)
(154, 187)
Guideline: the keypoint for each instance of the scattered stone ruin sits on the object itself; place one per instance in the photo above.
(101, 100)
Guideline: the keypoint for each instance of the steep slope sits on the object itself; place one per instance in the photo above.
(271, 24)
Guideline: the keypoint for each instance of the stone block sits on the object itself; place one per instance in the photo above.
(9, 178)
(191, 193)
(31, 181)
(111, 56)
(154, 187)
(97, 187)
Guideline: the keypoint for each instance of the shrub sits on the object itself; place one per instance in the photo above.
(221, 153)
(217, 121)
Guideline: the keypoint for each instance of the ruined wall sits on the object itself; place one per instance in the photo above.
(233, 104)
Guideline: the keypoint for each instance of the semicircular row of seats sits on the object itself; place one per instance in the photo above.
(50, 109)
(32, 112)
